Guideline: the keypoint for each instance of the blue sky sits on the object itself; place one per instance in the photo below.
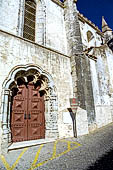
(95, 9)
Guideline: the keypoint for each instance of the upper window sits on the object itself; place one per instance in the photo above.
(29, 20)
(89, 36)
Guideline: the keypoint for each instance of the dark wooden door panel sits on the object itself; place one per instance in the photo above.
(36, 122)
(18, 121)
(27, 122)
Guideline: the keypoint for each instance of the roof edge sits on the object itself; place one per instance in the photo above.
(84, 19)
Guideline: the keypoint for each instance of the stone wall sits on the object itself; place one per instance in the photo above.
(109, 55)
(50, 28)
(55, 27)
(9, 11)
(102, 86)
(101, 74)
(15, 51)
(96, 38)
(40, 37)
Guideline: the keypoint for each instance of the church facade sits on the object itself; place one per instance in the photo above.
(56, 72)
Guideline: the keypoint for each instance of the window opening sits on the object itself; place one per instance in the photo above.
(89, 36)
(29, 20)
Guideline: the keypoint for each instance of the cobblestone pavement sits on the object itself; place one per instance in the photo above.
(83, 153)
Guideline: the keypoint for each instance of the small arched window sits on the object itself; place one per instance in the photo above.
(89, 36)
(29, 20)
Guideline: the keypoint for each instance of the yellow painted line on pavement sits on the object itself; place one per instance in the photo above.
(54, 149)
(7, 166)
(69, 148)
(34, 165)
(37, 155)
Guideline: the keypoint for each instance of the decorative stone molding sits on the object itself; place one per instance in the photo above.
(44, 83)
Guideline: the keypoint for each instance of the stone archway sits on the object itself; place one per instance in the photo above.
(34, 74)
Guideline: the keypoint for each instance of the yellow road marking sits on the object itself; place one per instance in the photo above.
(34, 165)
(69, 148)
(7, 166)
(37, 155)
(54, 149)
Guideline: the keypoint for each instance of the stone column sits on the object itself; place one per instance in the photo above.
(9, 116)
(52, 116)
(81, 76)
(5, 135)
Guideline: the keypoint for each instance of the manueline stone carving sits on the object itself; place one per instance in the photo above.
(44, 83)
(36, 77)
(44, 87)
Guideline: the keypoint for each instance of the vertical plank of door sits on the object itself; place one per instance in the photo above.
(19, 108)
(36, 126)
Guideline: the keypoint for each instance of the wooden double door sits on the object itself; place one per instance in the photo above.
(27, 118)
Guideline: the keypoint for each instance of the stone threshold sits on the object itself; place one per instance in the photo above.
(24, 144)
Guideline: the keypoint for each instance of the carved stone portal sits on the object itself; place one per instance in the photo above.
(23, 75)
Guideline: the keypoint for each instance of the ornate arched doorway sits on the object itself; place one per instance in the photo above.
(29, 106)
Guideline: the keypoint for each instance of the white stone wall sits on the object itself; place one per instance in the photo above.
(81, 122)
(109, 55)
(40, 34)
(95, 83)
(50, 26)
(95, 42)
(9, 10)
(55, 27)
(102, 75)
(15, 51)
(101, 87)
